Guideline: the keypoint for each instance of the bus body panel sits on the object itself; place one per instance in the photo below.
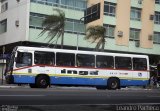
(99, 77)
(74, 81)
(78, 81)
(23, 79)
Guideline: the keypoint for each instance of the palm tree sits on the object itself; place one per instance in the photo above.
(54, 25)
(97, 35)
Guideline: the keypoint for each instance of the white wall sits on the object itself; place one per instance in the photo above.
(16, 11)
(0, 7)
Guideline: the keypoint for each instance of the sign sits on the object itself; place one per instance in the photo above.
(92, 13)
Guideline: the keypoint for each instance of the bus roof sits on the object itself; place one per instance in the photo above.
(26, 48)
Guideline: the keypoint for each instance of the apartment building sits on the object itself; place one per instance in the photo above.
(133, 26)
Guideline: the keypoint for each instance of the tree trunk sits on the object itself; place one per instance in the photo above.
(103, 44)
(62, 39)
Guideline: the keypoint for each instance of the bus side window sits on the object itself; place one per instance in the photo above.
(23, 59)
(104, 61)
(65, 59)
(139, 64)
(44, 58)
(85, 60)
(123, 63)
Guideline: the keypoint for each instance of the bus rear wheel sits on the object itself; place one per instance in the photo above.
(113, 83)
(42, 82)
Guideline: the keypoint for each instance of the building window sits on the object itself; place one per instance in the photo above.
(156, 38)
(3, 26)
(71, 4)
(36, 20)
(134, 34)
(109, 30)
(157, 18)
(79, 4)
(109, 9)
(4, 6)
(74, 26)
(3, 1)
(157, 1)
(135, 14)
(71, 25)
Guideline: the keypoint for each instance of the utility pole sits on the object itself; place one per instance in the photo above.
(78, 33)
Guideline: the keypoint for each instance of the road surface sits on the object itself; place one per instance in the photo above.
(74, 97)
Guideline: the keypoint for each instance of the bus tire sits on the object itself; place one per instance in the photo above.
(42, 81)
(113, 83)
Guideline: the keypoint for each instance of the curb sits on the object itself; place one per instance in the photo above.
(8, 86)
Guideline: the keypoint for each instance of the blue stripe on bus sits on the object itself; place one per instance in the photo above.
(95, 81)
(125, 82)
(22, 79)
(78, 81)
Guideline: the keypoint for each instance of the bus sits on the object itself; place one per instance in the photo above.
(42, 67)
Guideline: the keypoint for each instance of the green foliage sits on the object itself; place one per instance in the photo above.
(97, 35)
(54, 26)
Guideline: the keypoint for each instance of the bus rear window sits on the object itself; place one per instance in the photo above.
(139, 64)
(44, 58)
(23, 59)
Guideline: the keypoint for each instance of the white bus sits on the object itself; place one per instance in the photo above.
(42, 67)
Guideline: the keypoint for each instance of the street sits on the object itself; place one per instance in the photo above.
(27, 96)
(78, 97)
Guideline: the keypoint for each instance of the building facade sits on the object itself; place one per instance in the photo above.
(133, 26)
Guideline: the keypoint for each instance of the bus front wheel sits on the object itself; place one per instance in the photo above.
(113, 83)
(42, 82)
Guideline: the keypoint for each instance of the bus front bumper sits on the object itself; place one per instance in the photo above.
(9, 79)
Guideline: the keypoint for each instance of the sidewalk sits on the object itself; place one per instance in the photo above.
(4, 85)
(4, 82)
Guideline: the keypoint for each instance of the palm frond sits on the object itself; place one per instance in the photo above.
(53, 26)
(96, 34)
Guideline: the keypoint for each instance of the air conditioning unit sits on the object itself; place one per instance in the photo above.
(17, 23)
(137, 43)
(120, 34)
(151, 17)
(140, 1)
(150, 37)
